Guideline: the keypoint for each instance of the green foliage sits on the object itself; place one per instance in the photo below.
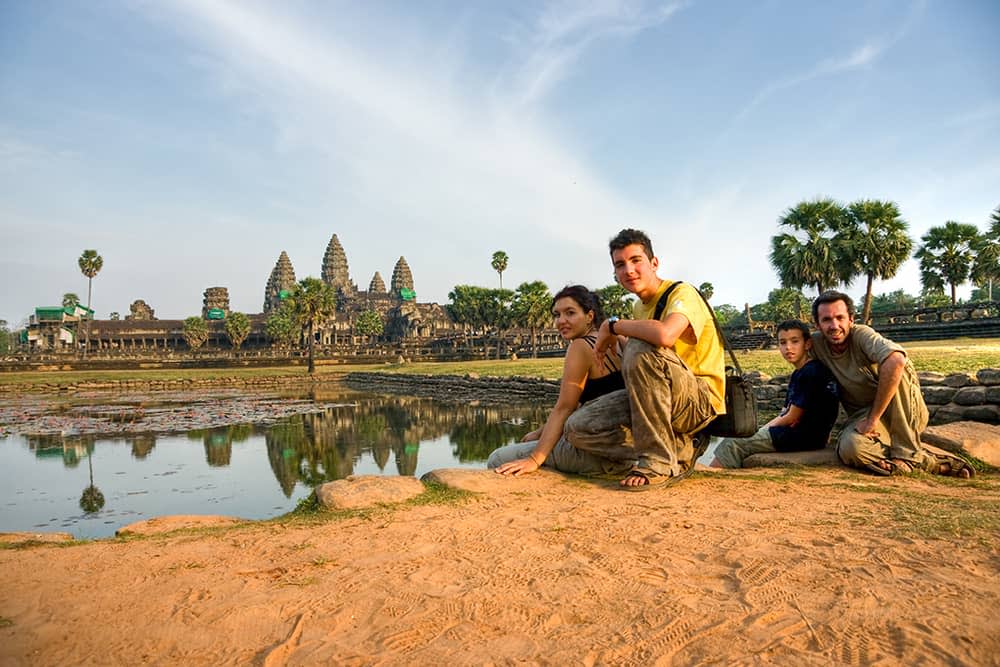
(92, 500)
(499, 264)
(482, 309)
(69, 300)
(985, 270)
(531, 308)
(814, 251)
(893, 302)
(369, 323)
(934, 298)
(281, 328)
(237, 328)
(707, 290)
(5, 337)
(876, 243)
(617, 301)
(727, 314)
(114, 316)
(195, 332)
(946, 256)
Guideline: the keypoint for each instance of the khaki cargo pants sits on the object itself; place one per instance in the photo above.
(653, 419)
(898, 431)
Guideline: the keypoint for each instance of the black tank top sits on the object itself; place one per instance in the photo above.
(603, 385)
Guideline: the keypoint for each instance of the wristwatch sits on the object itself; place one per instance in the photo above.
(611, 324)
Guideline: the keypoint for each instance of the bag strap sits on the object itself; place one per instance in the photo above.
(662, 303)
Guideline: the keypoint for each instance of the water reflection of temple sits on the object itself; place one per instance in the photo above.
(326, 445)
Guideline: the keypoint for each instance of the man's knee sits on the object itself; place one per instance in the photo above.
(639, 356)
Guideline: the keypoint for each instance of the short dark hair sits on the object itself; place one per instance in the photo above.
(832, 296)
(792, 325)
(627, 237)
(587, 300)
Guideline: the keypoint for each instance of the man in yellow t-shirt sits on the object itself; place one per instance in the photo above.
(674, 370)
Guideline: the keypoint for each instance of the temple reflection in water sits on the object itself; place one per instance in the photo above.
(326, 445)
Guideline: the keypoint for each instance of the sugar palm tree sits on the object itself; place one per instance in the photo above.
(70, 299)
(90, 264)
(237, 328)
(313, 302)
(946, 255)
(813, 252)
(877, 243)
(499, 264)
(986, 266)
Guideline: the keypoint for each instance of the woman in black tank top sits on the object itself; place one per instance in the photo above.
(578, 314)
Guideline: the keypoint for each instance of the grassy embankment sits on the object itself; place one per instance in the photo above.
(958, 355)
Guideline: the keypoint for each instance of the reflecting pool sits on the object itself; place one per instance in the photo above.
(90, 465)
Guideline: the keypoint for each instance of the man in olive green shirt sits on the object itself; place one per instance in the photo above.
(880, 392)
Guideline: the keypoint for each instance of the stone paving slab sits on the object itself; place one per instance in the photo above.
(973, 438)
(488, 481)
(817, 457)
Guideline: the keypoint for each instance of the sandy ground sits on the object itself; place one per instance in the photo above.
(796, 567)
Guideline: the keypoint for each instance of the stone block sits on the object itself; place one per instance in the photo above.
(974, 439)
(948, 413)
(989, 377)
(930, 378)
(167, 524)
(488, 481)
(959, 380)
(358, 491)
(938, 395)
(993, 394)
(970, 396)
(768, 392)
(989, 414)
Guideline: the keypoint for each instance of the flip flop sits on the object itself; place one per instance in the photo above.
(653, 478)
(957, 467)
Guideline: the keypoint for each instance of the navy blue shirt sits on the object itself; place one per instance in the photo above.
(813, 389)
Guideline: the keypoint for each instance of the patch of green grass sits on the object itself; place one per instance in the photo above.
(308, 505)
(439, 494)
(935, 517)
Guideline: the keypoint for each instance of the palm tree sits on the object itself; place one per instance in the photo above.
(531, 309)
(707, 290)
(237, 328)
(819, 259)
(91, 500)
(313, 302)
(90, 264)
(946, 256)
(986, 267)
(877, 241)
(617, 301)
(499, 264)
(195, 332)
(70, 300)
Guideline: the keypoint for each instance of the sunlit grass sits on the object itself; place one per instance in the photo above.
(957, 355)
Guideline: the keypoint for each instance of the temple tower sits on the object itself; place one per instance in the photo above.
(401, 277)
(216, 299)
(335, 272)
(377, 285)
(282, 280)
(140, 310)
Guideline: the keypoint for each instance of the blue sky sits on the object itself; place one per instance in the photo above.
(191, 142)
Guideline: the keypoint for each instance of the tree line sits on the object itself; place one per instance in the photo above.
(827, 244)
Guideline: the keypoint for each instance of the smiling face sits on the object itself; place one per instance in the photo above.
(794, 347)
(571, 320)
(636, 272)
(835, 322)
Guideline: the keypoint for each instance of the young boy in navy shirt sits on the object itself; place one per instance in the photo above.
(810, 407)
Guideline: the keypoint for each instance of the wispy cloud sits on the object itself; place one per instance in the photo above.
(565, 30)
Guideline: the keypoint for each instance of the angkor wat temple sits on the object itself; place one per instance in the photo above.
(406, 321)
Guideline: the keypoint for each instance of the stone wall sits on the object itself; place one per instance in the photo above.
(950, 398)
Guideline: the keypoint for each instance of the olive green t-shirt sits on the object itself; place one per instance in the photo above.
(856, 368)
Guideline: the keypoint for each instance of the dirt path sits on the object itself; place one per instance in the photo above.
(815, 567)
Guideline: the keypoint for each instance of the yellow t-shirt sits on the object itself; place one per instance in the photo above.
(707, 357)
